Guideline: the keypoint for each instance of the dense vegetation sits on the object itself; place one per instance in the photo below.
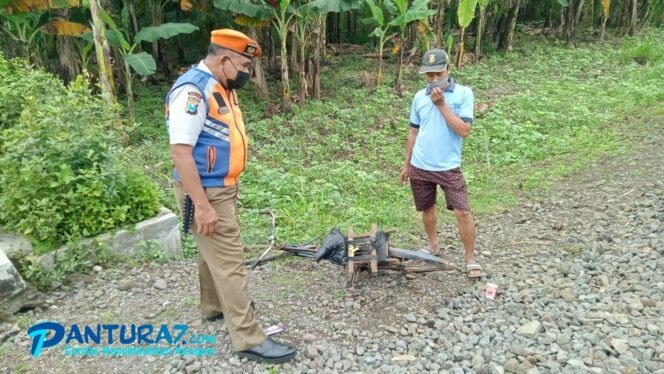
(63, 175)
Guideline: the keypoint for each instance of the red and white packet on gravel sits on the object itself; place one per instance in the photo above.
(273, 330)
(491, 291)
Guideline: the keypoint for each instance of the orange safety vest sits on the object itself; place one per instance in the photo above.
(221, 150)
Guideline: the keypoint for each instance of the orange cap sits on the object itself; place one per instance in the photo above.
(236, 42)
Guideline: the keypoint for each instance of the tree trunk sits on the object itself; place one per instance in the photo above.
(506, 40)
(398, 82)
(69, 69)
(379, 72)
(351, 26)
(605, 17)
(635, 12)
(102, 51)
(577, 16)
(260, 84)
(338, 30)
(329, 27)
(623, 11)
(178, 16)
(285, 87)
(323, 36)
(460, 52)
(272, 64)
(303, 76)
(293, 58)
(548, 23)
(501, 28)
(646, 15)
(480, 32)
(569, 30)
(131, 8)
(130, 95)
(320, 44)
(561, 17)
(310, 76)
(156, 21)
(592, 16)
(260, 81)
(412, 35)
(439, 25)
(158, 46)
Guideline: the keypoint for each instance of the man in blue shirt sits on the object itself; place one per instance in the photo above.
(441, 117)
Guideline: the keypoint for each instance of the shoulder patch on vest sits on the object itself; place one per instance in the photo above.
(195, 94)
(192, 103)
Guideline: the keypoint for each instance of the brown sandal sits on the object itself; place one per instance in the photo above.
(474, 266)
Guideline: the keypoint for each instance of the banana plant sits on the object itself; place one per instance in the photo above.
(302, 23)
(418, 12)
(281, 14)
(606, 6)
(23, 20)
(380, 32)
(480, 28)
(22, 28)
(465, 13)
(84, 49)
(141, 63)
(285, 16)
(314, 10)
(282, 21)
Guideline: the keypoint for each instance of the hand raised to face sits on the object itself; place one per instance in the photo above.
(437, 96)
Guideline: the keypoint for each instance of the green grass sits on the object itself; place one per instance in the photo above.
(108, 317)
(336, 161)
(190, 303)
(644, 50)
(169, 312)
(24, 321)
(339, 294)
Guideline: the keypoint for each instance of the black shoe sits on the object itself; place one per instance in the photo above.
(269, 351)
(220, 316)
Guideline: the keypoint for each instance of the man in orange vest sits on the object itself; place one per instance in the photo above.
(209, 148)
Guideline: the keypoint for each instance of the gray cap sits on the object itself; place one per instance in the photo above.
(434, 60)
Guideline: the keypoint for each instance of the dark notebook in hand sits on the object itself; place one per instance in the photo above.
(188, 214)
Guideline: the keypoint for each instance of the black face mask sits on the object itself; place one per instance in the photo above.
(241, 78)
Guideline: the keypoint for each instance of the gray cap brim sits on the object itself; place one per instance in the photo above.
(433, 68)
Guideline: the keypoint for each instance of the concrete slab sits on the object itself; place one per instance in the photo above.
(11, 282)
(13, 244)
(159, 233)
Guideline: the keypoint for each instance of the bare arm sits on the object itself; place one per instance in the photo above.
(410, 143)
(205, 216)
(457, 125)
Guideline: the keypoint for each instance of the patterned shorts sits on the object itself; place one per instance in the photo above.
(424, 183)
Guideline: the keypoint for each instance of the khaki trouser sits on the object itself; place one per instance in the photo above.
(221, 270)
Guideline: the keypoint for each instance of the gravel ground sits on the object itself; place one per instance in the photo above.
(581, 289)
